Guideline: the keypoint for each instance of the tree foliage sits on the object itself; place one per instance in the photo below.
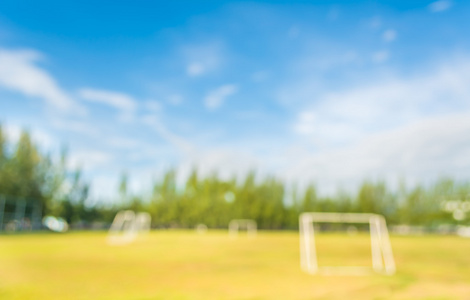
(26, 173)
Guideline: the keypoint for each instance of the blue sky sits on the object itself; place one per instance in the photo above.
(328, 92)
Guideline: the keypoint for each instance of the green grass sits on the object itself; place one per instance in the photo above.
(185, 265)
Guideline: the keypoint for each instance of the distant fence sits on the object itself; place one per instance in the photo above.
(19, 214)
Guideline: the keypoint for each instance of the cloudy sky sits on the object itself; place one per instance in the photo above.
(333, 93)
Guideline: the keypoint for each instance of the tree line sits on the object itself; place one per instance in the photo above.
(28, 174)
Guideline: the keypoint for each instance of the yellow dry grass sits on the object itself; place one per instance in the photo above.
(187, 265)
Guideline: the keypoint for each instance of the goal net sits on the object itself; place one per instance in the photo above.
(382, 256)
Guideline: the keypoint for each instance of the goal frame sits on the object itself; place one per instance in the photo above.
(250, 225)
(126, 225)
(382, 256)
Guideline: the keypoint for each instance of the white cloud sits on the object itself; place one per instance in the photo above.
(332, 59)
(19, 72)
(380, 56)
(89, 160)
(195, 69)
(439, 6)
(42, 138)
(401, 127)
(120, 101)
(306, 123)
(389, 35)
(347, 115)
(216, 97)
(202, 59)
(419, 152)
(12, 132)
(175, 99)
(180, 143)
(422, 151)
(123, 142)
(81, 127)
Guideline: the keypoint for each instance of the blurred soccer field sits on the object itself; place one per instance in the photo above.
(186, 265)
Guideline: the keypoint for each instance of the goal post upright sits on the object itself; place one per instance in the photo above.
(382, 256)
(387, 252)
(375, 244)
(308, 254)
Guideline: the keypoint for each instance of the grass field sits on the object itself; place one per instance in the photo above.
(185, 265)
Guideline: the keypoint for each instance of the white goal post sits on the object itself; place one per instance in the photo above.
(127, 225)
(382, 256)
(235, 225)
